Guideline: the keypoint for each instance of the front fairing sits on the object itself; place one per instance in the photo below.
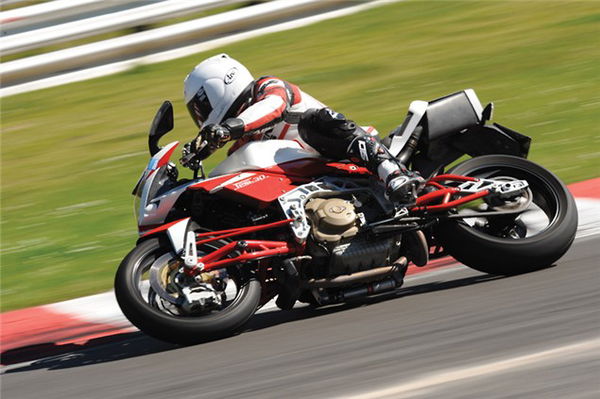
(147, 190)
(155, 182)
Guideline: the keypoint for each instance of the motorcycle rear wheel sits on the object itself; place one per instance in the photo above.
(178, 328)
(507, 245)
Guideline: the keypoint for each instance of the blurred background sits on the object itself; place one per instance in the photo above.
(82, 79)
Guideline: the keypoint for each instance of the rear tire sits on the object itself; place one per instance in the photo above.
(171, 328)
(508, 256)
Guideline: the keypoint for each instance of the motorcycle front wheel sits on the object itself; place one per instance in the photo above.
(532, 239)
(150, 312)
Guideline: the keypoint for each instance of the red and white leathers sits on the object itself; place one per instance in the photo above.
(271, 99)
(225, 101)
(323, 131)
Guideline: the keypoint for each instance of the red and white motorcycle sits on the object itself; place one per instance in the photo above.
(275, 220)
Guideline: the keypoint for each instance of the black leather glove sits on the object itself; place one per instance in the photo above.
(191, 158)
(205, 143)
(215, 135)
(209, 139)
(218, 135)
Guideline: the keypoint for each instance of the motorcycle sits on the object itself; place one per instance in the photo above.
(276, 221)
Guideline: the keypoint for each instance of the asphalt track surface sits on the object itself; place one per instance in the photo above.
(451, 333)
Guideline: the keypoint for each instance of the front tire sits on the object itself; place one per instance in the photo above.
(518, 252)
(176, 328)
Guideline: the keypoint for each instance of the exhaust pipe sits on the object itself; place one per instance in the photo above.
(359, 277)
(377, 287)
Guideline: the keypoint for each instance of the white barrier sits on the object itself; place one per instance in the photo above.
(121, 66)
(105, 23)
(50, 10)
(137, 43)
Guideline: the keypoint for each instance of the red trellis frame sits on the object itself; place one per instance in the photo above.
(257, 249)
(445, 194)
(249, 249)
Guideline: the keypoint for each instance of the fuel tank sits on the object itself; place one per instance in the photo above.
(261, 171)
(266, 155)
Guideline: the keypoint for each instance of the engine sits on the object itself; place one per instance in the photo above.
(336, 242)
(332, 219)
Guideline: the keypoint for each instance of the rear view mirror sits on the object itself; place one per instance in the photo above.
(161, 125)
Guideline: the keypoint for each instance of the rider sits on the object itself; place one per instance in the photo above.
(227, 103)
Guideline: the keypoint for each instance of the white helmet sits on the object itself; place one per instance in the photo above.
(212, 88)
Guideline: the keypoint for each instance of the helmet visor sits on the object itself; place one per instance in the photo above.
(199, 107)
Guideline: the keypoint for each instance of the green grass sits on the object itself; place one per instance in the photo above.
(21, 4)
(71, 154)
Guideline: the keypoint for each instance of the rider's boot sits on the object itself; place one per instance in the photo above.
(401, 184)
(336, 137)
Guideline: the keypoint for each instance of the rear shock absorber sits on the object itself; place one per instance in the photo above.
(411, 144)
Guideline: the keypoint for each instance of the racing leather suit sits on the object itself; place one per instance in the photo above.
(263, 116)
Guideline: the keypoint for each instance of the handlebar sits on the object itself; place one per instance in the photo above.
(211, 137)
(191, 158)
